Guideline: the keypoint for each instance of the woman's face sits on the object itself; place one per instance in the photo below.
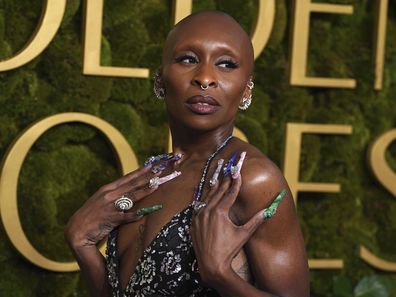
(206, 50)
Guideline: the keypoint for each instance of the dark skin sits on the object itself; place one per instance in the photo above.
(230, 238)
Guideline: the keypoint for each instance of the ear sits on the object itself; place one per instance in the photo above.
(248, 89)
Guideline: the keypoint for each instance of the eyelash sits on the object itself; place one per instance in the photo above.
(229, 64)
(193, 60)
(182, 59)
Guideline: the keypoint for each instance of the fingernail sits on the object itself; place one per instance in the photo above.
(168, 177)
(167, 163)
(227, 170)
(147, 210)
(236, 170)
(271, 210)
(154, 159)
(215, 176)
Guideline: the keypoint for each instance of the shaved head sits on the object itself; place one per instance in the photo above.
(211, 21)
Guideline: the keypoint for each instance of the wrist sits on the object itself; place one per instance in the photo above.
(75, 240)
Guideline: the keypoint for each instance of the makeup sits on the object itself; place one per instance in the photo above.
(268, 212)
(148, 210)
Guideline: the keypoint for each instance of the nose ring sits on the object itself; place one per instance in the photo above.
(204, 88)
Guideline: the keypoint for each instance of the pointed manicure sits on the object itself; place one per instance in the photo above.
(147, 210)
(271, 210)
(227, 170)
(236, 170)
(215, 176)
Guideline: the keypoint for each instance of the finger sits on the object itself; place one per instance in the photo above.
(128, 217)
(230, 164)
(131, 176)
(236, 170)
(231, 194)
(214, 180)
(133, 185)
(264, 214)
(147, 210)
(145, 185)
(221, 190)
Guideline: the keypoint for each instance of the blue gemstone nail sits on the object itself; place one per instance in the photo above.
(227, 170)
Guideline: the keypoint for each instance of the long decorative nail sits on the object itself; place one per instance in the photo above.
(227, 169)
(156, 181)
(147, 210)
(166, 164)
(271, 210)
(154, 159)
(215, 176)
(236, 170)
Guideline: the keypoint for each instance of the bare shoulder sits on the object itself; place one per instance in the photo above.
(262, 181)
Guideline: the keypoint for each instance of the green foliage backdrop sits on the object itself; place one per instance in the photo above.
(70, 161)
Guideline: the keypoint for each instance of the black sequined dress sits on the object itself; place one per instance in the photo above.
(168, 266)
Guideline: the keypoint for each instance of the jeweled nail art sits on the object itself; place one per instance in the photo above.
(215, 176)
(227, 169)
(271, 210)
(166, 164)
(147, 210)
(236, 170)
(155, 159)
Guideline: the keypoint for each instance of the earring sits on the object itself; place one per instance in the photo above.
(246, 101)
(159, 91)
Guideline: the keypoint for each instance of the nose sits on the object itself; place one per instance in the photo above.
(204, 77)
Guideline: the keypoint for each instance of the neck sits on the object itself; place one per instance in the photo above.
(197, 144)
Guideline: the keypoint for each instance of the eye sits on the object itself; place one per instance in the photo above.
(187, 59)
(228, 63)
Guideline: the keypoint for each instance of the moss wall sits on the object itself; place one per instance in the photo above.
(70, 161)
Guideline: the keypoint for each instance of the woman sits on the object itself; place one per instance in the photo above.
(195, 228)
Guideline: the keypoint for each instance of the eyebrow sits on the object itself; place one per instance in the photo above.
(224, 49)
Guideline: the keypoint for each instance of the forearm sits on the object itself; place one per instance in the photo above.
(93, 268)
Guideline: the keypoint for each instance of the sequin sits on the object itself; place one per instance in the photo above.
(167, 267)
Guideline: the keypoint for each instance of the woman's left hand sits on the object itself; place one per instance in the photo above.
(216, 239)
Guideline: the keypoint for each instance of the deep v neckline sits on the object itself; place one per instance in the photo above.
(145, 251)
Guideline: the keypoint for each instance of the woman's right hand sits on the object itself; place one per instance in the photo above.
(99, 216)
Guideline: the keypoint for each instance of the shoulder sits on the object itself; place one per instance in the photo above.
(262, 181)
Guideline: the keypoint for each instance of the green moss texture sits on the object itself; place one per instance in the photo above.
(69, 162)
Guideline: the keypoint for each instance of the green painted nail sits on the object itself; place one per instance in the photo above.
(147, 210)
(271, 210)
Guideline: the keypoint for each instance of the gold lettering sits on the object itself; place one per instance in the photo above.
(375, 261)
(50, 21)
(377, 161)
(292, 167)
(263, 27)
(299, 57)
(381, 170)
(10, 173)
(92, 46)
(380, 45)
(180, 9)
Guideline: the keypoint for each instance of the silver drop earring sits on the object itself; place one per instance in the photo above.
(159, 91)
(246, 101)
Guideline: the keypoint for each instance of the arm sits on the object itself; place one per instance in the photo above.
(274, 247)
(95, 220)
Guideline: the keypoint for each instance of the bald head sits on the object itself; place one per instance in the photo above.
(211, 23)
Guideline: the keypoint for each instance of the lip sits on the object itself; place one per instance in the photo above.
(202, 104)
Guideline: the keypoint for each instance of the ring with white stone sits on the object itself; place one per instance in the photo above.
(198, 205)
(153, 182)
(123, 203)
